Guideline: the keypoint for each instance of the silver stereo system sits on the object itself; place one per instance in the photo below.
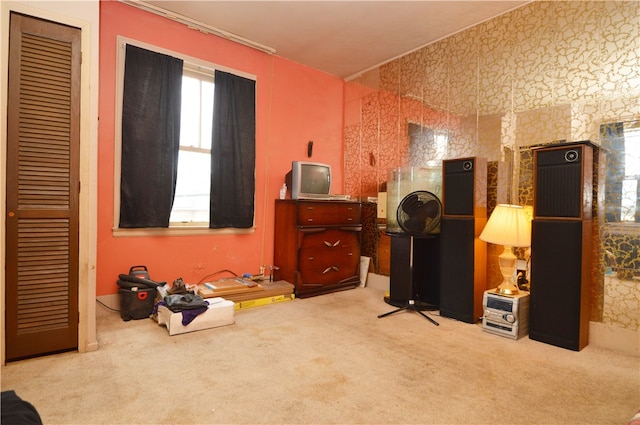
(506, 315)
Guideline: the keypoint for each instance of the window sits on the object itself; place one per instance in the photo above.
(631, 174)
(193, 184)
(426, 145)
(183, 162)
(621, 145)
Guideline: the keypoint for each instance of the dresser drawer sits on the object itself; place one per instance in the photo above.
(328, 257)
(317, 245)
(330, 239)
(328, 213)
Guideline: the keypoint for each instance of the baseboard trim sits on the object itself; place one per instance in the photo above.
(90, 347)
(614, 338)
(378, 281)
(111, 301)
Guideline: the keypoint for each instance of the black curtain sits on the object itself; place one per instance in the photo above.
(150, 137)
(233, 152)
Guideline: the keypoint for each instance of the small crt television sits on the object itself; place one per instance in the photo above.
(309, 180)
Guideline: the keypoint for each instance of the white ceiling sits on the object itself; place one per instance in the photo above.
(343, 38)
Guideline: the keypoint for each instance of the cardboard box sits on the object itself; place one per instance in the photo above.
(219, 313)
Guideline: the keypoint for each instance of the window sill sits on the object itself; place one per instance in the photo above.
(179, 231)
(631, 228)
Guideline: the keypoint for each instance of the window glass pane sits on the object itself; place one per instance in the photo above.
(632, 153)
(629, 198)
(191, 203)
(206, 119)
(632, 174)
(190, 112)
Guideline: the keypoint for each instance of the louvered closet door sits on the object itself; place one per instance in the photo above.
(42, 188)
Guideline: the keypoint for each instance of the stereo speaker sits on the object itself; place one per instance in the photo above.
(463, 257)
(459, 185)
(414, 270)
(561, 241)
(559, 296)
(563, 182)
(462, 282)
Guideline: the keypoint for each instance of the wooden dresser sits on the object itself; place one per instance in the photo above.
(317, 245)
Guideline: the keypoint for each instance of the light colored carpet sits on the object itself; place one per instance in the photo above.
(326, 359)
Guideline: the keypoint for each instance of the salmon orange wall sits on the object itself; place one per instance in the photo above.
(295, 104)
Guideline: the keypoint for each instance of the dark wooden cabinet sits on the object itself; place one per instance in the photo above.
(384, 252)
(317, 245)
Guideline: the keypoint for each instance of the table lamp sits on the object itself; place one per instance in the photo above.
(508, 225)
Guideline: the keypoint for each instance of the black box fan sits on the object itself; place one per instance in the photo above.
(419, 213)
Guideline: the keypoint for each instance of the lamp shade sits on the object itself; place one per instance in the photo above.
(508, 225)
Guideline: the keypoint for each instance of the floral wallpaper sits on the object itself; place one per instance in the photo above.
(548, 72)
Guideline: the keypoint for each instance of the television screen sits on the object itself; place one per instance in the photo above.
(309, 180)
(315, 178)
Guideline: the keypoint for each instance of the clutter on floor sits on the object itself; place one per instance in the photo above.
(273, 292)
(218, 312)
(181, 310)
(186, 308)
(233, 285)
(187, 314)
(237, 291)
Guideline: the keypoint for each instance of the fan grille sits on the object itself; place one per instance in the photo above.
(419, 213)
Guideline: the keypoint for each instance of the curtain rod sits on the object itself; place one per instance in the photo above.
(200, 26)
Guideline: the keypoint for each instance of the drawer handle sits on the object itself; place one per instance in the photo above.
(327, 243)
(310, 258)
(328, 269)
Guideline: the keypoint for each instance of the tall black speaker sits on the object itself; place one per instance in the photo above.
(414, 270)
(463, 257)
(561, 241)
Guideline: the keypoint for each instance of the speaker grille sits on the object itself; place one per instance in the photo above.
(400, 289)
(457, 269)
(459, 187)
(559, 183)
(556, 282)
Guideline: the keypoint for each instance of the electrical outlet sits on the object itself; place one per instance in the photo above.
(382, 205)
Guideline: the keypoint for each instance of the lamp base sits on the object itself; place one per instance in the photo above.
(507, 288)
(507, 262)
